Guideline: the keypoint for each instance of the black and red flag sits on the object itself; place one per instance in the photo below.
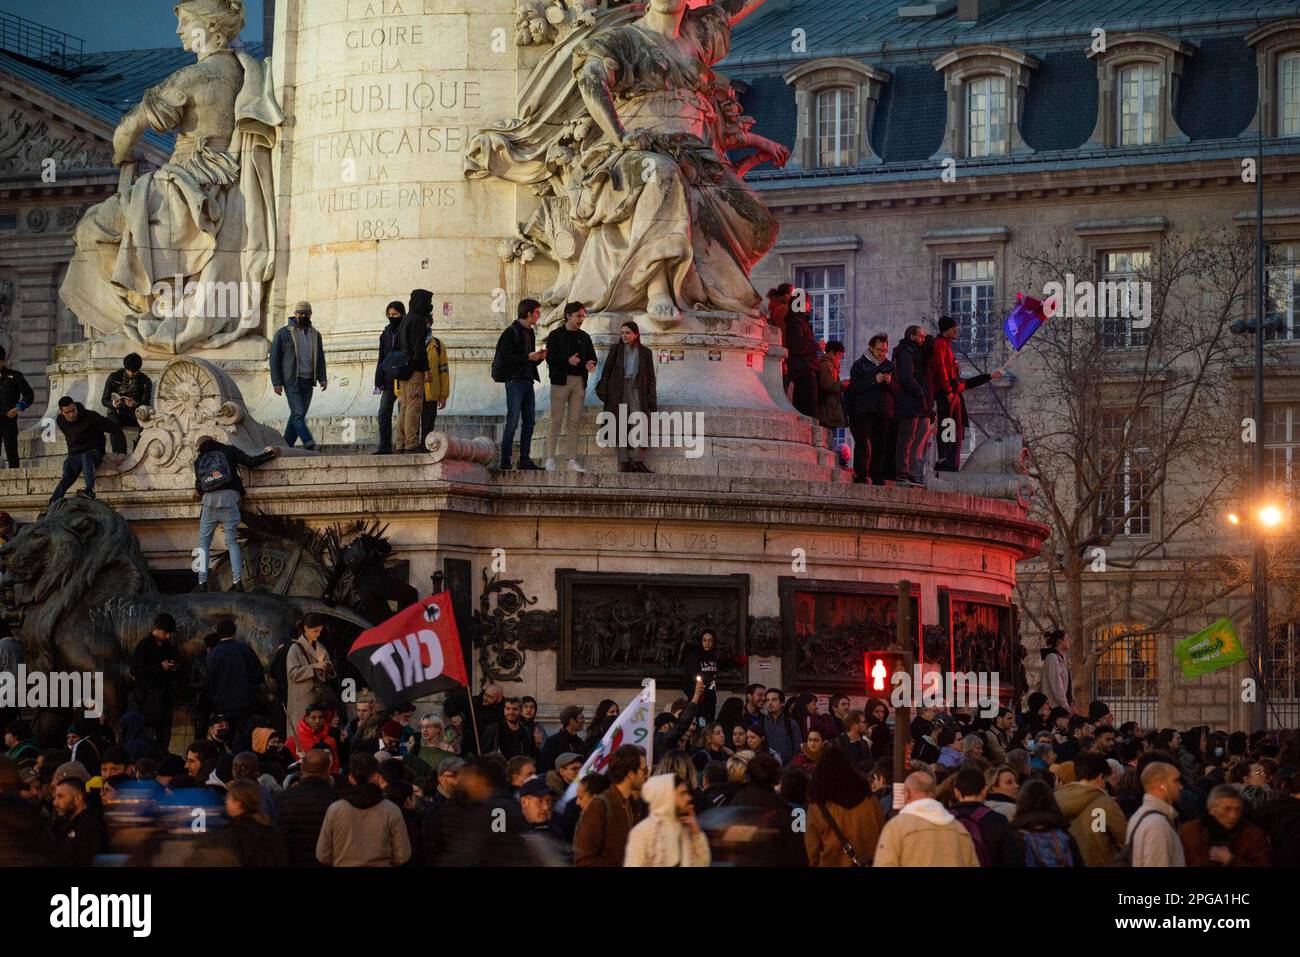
(413, 654)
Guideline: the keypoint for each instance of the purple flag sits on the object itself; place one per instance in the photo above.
(1024, 320)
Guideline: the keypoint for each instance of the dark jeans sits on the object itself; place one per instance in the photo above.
(298, 392)
(520, 400)
(950, 452)
(387, 399)
(83, 464)
(428, 418)
(873, 456)
(805, 390)
(9, 433)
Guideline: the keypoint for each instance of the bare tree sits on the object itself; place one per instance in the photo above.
(1132, 431)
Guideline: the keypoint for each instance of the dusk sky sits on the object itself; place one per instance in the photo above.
(119, 24)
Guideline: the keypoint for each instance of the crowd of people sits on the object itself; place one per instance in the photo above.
(766, 779)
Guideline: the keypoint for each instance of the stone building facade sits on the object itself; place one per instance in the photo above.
(933, 154)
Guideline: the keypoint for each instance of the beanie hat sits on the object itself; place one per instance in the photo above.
(946, 323)
(303, 306)
(1098, 710)
(391, 729)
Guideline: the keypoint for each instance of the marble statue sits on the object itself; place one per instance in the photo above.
(181, 259)
(623, 132)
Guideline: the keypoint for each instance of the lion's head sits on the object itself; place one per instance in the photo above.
(81, 552)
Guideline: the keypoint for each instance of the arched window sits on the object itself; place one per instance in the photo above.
(837, 127)
(988, 124)
(1127, 676)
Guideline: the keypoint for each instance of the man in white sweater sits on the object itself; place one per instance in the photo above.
(1152, 831)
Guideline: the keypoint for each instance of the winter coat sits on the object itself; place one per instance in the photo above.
(1280, 817)
(387, 343)
(152, 691)
(861, 824)
(771, 813)
(245, 842)
(924, 834)
(304, 739)
(301, 813)
(138, 387)
(439, 389)
(996, 831)
(87, 433)
(1151, 832)
(602, 835)
(284, 355)
(913, 397)
(1080, 803)
(515, 344)
(411, 333)
(830, 398)
(510, 743)
(14, 390)
(559, 743)
(1055, 680)
(79, 841)
(865, 396)
(561, 345)
(363, 830)
(661, 840)
(234, 675)
(609, 388)
(463, 833)
(783, 735)
(1247, 842)
(304, 687)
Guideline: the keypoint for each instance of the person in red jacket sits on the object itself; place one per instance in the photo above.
(1221, 837)
(945, 377)
(313, 728)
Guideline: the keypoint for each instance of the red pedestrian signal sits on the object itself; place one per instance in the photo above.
(880, 667)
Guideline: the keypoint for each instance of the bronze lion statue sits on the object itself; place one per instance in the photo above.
(79, 596)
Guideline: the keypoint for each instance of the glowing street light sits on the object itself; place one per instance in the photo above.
(1234, 518)
(1270, 516)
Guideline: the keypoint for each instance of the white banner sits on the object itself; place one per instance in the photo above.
(634, 725)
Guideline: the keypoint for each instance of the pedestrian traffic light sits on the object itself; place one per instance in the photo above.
(880, 668)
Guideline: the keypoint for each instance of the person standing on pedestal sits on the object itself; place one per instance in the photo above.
(15, 396)
(410, 388)
(627, 387)
(570, 358)
(125, 391)
(914, 406)
(948, 387)
(385, 388)
(802, 362)
(437, 388)
(218, 486)
(871, 411)
(515, 364)
(297, 364)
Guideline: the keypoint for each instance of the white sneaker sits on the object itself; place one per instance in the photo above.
(575, 467)
(550, 465)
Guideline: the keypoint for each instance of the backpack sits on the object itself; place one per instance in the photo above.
(213, 470)
(972, 824)
(1047, 849)
(1124, 856)
(499, 359)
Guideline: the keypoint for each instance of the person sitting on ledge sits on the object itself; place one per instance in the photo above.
(125, 391)
(84, 432)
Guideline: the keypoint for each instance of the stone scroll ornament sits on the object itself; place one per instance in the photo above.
(623, 133)
(507, 628)
(182, 258)
(196, 399)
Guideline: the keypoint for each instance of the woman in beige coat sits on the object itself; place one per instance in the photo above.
(309, 670)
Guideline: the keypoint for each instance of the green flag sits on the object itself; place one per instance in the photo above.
(1216, 647)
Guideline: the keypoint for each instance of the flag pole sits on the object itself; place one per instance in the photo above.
(473, 720)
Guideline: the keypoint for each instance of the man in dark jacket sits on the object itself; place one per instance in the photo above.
(297, 365)
(802, 362)
(410, 341)
(996, 832)
(570, 358)
(949, 388)
(870, 401)
(153, 669)
(383, 384)
(567, 739)
(15, 396)
(84, 432)
(511, 736)
(79, 835)
(24, 839)
(515, 364)
(768, 812)
(302, 809)
(234, 674)
(913, 406)
(217, 484)
(125, 391)
(481, 825)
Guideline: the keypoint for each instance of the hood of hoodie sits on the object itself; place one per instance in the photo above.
(660, 794)
(364, 796)
(930, 811)
(421, 303)
(1075, 798)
